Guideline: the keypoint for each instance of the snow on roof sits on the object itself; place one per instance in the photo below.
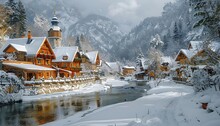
(70, 52)
(196, 45)
(166, 59)
(19, 47)
(28, 66)
(92, 56)
(21, 44)
(188, 53)
(128, 67)
(113, 65)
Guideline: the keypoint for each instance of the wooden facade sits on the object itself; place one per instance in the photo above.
(30, 72)
(182, 58)
(128, 71)
(74, 67)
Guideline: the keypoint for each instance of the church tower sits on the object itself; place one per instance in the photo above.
(55, 33)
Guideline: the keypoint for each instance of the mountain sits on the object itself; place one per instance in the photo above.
(40, 13)
(102, 33)
(174, 28)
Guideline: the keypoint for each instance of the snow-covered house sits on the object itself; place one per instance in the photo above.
(209, 55)
(29, 57)
(184, 56)
(94, 60)
(68, 61)
(165, 62)
(199, 53)
(112, 68)
(128, 70)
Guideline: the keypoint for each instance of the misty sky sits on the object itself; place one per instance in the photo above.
(127, 13)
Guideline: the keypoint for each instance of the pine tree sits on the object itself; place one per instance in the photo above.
(176, 33)
(78, 43)
(22, 18)
(13, 17)
(207, 14)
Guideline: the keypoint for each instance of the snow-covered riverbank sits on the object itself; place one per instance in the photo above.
(169, 104)
(87, 89)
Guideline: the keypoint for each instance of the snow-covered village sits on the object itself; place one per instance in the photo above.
(110, 63)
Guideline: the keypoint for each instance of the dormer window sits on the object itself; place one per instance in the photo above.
(65, 57)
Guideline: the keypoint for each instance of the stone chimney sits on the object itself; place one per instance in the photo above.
(29, 37)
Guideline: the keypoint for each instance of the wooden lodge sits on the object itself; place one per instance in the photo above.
(33, 58)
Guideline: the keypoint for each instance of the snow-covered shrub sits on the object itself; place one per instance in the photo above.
(201, 80)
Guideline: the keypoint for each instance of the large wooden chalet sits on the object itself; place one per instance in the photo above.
(29, 57)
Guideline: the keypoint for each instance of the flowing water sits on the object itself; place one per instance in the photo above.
(43, 111)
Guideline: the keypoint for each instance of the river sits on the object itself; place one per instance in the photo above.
(39, 112)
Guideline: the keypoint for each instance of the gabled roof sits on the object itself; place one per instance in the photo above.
(196, 45)
(188, 53)
(114, 66)
(21, 44)
(166, 59)
(92, 56)
(20, 48)
(70, 52)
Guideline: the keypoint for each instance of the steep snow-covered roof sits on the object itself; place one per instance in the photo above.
(196, 45)
(92, 56)
(188, 53)
(28, 66)
(70, 52)
(113, 65)
(21, 44)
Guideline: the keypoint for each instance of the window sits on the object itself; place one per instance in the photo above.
(38, 61)
(47, 62)
(65, 57)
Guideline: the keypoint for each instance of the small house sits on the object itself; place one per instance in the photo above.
(128, 70)
(68, 61)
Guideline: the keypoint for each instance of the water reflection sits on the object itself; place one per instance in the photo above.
(41, 112)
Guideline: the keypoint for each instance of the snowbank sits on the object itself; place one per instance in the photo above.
(116, 83)
(169, 104)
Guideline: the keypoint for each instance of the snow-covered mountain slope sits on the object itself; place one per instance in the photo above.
(102, 32)
(40, 13)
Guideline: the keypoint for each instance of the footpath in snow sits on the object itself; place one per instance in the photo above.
(169, 104)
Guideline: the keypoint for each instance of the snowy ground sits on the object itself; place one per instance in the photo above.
(169, 104)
